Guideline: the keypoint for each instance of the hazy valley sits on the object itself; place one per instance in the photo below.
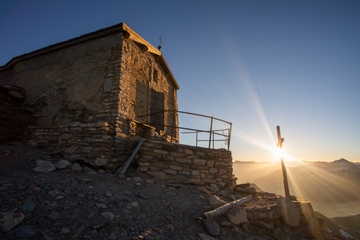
(332, 187)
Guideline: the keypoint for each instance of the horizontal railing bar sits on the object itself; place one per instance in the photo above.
(196, 114)
(225, 140)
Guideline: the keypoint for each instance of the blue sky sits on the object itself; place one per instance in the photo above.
(257, 64)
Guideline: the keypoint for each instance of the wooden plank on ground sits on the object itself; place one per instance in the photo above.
(132, 156)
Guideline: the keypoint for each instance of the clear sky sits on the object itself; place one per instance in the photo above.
(257, 64)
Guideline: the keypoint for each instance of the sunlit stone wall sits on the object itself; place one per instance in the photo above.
(185, 163)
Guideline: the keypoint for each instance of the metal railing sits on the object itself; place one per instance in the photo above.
(226, 133)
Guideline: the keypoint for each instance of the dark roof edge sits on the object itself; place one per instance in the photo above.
(121, 27)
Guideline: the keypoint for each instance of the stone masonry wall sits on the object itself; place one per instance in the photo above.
(187, 164)
(137, 81)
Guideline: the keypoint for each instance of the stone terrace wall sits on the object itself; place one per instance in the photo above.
(187, 164)
(93, 142)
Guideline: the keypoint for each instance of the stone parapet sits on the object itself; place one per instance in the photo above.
(185, 163)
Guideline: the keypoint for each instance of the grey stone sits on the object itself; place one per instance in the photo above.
(85, 179)
(289, 211)
(44, 166)
(29, 206)
(101, 205)
(76, 167)
(11, 220)
(216, 202)
(158, 174)
(108, 215)
(237, 215)
(101, 161)
(212, 226)
(65, 230)
(62, 164)
(54, 215)
(204, 236)
(24, 232)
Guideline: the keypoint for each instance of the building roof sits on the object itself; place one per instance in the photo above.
(121, 27)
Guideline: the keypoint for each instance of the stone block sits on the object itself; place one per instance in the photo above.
(170, 171)
(178, 155)
(158, 174)
(174, 167)
(161, 151)
(210, 163)
(182, 160)
(213, 170)
(71, 149)
(195, 172)
(184, 172)
(194, 180)
(198, 161)
(289, 211)
(142, 169)
(189, 152)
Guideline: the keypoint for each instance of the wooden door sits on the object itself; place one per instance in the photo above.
(157, 106)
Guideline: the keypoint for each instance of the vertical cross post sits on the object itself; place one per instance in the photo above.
(280, 141)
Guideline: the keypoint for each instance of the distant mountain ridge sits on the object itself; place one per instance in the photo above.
(347, 227)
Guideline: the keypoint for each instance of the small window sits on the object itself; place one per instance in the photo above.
(156, 75)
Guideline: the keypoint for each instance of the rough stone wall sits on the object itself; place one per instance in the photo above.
(186, 163)
(137, 82)
(67, 85)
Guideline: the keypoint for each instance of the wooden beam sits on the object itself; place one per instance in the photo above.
(132, 156)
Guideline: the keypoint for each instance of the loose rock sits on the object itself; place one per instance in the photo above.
(237, 215)
(204, 236)
(212, 226)
(216, 202)
(108, 215)
(11, 220)
(44, 166)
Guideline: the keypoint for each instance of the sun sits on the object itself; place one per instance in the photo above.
(278, 153)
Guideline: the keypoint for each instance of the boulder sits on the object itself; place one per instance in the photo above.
(11, 220)
(44, 166)
(62, 164)
(290, 213)
(216, 202)
(237, 215)
(212, 226)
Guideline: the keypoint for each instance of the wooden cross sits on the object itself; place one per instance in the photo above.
(280, 142)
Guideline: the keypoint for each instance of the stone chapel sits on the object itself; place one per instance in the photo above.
(91, 94)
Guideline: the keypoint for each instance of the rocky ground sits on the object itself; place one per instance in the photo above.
(80, 203)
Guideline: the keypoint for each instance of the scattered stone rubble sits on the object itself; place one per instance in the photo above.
(265, 210)
(63, 202)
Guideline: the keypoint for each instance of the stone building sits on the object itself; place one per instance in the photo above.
(89, 92)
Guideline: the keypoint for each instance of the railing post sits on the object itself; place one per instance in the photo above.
(229, 136)
(211, 123)
(196, 137)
